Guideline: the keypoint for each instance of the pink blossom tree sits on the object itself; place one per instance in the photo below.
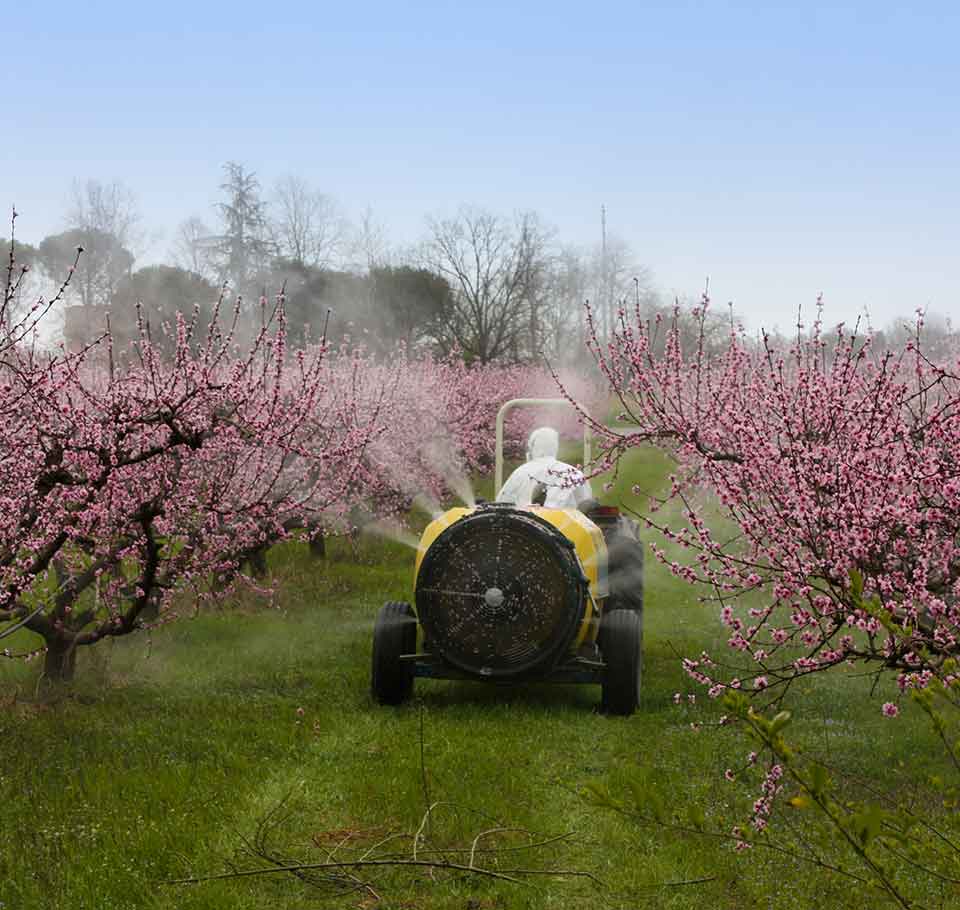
(122, 486)
(838, 467)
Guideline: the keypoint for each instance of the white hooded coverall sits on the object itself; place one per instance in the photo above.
(566, 485)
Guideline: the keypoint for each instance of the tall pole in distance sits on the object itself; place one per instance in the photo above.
(604, 289)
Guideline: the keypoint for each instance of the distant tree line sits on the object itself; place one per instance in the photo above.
(494, 287)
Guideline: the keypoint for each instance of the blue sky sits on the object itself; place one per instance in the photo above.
(781, 149)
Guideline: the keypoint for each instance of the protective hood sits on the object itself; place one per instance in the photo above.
(544, 442)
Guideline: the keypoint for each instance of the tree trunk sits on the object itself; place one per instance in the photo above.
(60, 660)
(318, 546)
(258, 563)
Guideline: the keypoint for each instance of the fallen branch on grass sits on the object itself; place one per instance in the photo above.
(353, 864)
(340, 873)
(507, 875)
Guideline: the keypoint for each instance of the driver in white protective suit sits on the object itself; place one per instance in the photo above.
(566, 487)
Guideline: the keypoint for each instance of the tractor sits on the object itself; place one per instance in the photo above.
(506, 593)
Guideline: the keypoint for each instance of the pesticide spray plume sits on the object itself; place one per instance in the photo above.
(463, 490)
(442, 457)
(391, 529)
(428, 505)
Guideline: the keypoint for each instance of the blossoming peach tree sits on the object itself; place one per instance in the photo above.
(838, 468)
(127, 480)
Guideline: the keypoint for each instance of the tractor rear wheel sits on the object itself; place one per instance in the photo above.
(394, 633)
(621, 645)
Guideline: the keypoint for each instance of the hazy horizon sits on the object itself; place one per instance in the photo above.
(781, 154)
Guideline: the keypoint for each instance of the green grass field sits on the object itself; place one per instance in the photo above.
(170, 757)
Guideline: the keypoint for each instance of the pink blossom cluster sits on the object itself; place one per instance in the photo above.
(839, 465)
(763, 805)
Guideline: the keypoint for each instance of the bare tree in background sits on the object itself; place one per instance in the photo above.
(309, 227)
(104, 220)
(616, 277)
(535, 241)
(496, 269)
(371, 249)
(110, 208)
(193, 247)
(370, 253)
(569, 286)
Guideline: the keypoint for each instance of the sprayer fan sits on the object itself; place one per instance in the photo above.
(500, 593)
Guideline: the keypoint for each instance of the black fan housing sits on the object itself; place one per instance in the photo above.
(500, 593)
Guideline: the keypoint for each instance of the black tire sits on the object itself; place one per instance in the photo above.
(621, 645)
(625, 566)
(394, 633)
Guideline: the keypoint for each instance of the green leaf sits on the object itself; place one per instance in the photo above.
(819, 779)
(867, 823)
(696, 817)
(779, 721)
(856, 584)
